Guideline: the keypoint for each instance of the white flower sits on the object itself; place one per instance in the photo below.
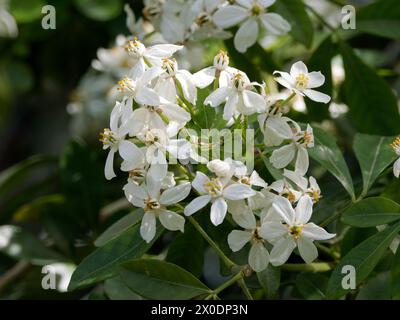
(237, 239)
(154, 203)
(308, 188)
(220, 70)
(396, 166)
(113, 138)
(216, 191)
(8, 26)
(275, 129)
(295, 231)
(297, 149)
(302, 82)
(222, 169)
(138, 90)
(170, 77)
(238, 97)
(148, 57)
(252, 13)
(242, 174)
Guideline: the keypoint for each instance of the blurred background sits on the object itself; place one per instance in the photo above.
(56, 91)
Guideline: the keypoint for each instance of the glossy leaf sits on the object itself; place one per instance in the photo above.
(101, 10)
(294, 11)
(270, 280)
(312, 286)
(101, 263)
(116, 289)
(327, 153)
(183, 247)
(119, 226)
(374, 154)
(155, 279)
(363, 258)
(372, 212)
(372, 104)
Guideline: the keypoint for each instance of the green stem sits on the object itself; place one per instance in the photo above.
(334, 255)
(311, 267)
(284, 102)
(245, 290)
(228, 262)
(228, 283)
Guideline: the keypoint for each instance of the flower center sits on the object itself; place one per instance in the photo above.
(126, 85)
(202, 19)
(137, 175)
(151, 204)
(302, 81)
(135, 48)
(256, 10)
(396, 145)
(315, 195)
(221, 60)
(170, 66)
(213, 187)
(238, 81)
(255, 236)
(154, 109)
(296, 231)
(107, 137)
(245, 180)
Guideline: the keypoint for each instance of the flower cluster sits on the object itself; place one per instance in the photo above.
(159, 100)
(180, 21)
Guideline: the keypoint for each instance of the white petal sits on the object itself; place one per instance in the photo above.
(317, 96)
(297, 178)
(229, 16)
(246, 36)
(245, 3)
(218, 211)
(135, 194)
(196, 204)
(272, 230)
(314, 232)
(138, 70)
(109, 167)
(230, 106)
(275, 24)
(308, 251)
(199, 181)
(204, 77)
(237, 239)
(162, 50)
(153, 186)
(285, 79)
(266, 3)
(245, 219)
(147, 96)
(303, 210)
(281, 157)
(316, 79)
(298, 68)
(159, 166)
(258, 257)
(217, 97)
(175, 194)
(284, 208)
(175, 113)
(302, 161)
(253, 100)
(171, 220)
(131, 154)
(238, 192)
(256, 180)
(396, 168)
(188, 86)
(280, 127)
(281, 251)
(148, 226)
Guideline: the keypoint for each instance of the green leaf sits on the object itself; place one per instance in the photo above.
(275, 173)
(376, 288)
(101, 263)
(372, 104)
(155, 279)
(26, 11)
(312, 286)
(374, 154)
(270, 279)
(381, 18)
(327, 153)
(395, 275)
(295, 13)
(363, 258)
(183, 247)
(20, 244)
(119, 226)
(321, 61)
(116, 289)
(101, 10)
(371, 212)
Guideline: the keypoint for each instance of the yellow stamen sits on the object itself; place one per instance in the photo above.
(302, 81)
